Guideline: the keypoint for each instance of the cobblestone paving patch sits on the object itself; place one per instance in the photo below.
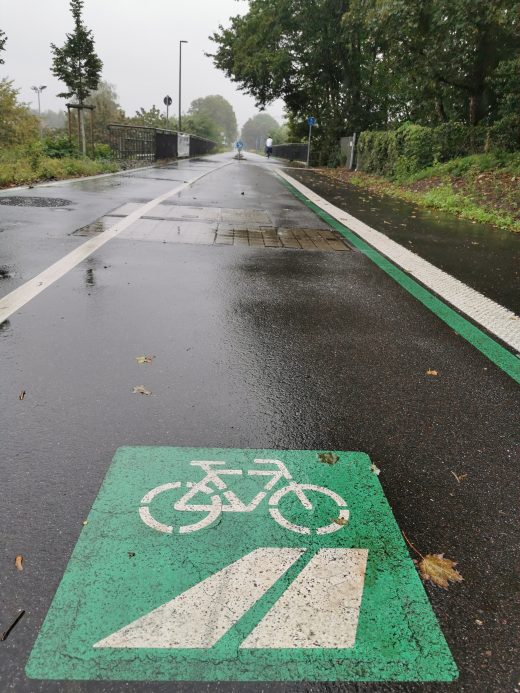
(205, 226)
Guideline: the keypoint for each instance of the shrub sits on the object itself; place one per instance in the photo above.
(505, 133)
(411, 148)
(102, 151)
(59, 146)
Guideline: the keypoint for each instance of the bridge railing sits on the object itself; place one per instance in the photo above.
(150, 144)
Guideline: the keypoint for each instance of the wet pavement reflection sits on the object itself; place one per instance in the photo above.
(481, 256)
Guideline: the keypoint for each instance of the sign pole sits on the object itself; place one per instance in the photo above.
(167, 102)
(311, 120)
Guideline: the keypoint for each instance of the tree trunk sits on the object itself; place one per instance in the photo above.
(82, 127)
(439, 108)
(473, 109)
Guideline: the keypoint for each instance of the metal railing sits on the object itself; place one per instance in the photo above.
(296, 151)
(150, 144)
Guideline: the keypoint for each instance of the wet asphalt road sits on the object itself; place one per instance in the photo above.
(255, 348)
(483, 257)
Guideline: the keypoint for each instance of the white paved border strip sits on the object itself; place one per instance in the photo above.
(23, 294)
(492, 316)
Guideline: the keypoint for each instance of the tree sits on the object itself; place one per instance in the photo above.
(153, 118)
(77, 65)
(107, 110)
(435, 58)
(257, 129)
(202, 125)
(3, 39)
(375, 64)
(217, 109)
(17, 124)
(299, 51)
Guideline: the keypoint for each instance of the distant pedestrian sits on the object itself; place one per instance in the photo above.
(268, 147)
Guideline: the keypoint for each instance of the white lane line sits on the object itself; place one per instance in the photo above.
(491, 315)
(23, 294)
(201, 615)
(320, 609)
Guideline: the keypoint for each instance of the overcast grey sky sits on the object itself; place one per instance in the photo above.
(138, 42)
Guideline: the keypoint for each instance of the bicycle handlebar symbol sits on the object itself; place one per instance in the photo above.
(214, 486)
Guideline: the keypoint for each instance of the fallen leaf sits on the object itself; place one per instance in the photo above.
(328, 457)
(144, 359)
(22, 395)
(460, 477)
(340, 521)
(479, 622)
(430, 371)
(18, 561)
(375, 469)
(439, 570)
(141, 390)
(131, 554)
(85, 522)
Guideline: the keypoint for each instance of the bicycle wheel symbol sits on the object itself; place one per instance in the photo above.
(213, 511)
(298, 490)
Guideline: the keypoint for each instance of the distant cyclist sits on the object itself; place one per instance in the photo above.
(268, 147)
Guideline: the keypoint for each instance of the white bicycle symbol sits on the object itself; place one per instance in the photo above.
(215, 487)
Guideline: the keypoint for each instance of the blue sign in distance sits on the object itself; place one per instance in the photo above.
(311, 120)
(239, 145)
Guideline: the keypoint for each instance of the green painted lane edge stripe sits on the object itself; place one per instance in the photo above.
(494, 351)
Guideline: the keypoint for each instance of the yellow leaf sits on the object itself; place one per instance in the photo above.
(439, 570)
(430, 371)
(141, 390)
(18, 561)
(144, 359)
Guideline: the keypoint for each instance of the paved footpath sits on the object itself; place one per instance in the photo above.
(223, 402)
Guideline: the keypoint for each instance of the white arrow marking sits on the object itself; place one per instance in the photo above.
(320, 608)
(200, 616)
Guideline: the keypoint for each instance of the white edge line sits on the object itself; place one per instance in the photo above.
(493, 317)
(15, 300)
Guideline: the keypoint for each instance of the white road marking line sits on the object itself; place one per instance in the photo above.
(23, 294)
(320, 609)
(491, 315)
(200, 616)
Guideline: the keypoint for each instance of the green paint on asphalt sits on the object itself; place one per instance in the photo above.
(494, 351)
(123, 569)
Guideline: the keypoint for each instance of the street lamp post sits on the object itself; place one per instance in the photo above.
(39, 90)
(180, 82)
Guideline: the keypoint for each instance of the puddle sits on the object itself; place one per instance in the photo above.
(7, 272)
(95, 228)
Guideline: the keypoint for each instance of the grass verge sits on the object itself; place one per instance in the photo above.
(483, 188)
(27, 170)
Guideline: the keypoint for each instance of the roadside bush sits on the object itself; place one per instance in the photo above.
(59, 146)
(102, 151)
(505, 134)
(411, 148)
(377, 152)
(34, 154)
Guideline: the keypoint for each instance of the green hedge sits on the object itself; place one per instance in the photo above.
(411, 148)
